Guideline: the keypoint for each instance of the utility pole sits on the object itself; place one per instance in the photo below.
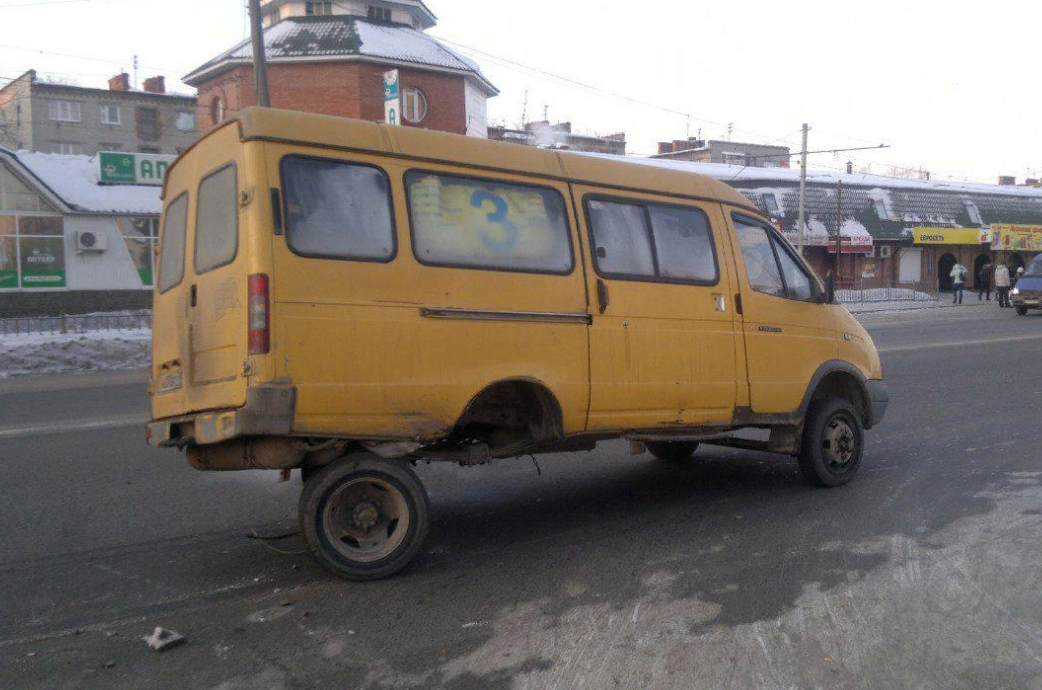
(803, 190)
(260, 64)
(839, 223)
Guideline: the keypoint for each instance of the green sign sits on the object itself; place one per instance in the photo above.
(43, 262)
(8, 279)
(132, 168)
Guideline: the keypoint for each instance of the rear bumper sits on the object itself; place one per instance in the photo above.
(878, 399)
(268, 411)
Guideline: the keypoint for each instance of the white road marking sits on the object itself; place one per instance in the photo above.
(959, 343)
(73, 425)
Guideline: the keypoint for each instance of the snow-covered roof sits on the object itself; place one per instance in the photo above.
(340, 36)
(737, 173)
(74, 181)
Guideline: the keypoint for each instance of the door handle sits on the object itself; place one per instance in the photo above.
(191, 296)
(602, 295)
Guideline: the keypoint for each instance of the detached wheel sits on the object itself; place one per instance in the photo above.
(672, 451)
(364, 518)
(833, 442)
(1022, 311)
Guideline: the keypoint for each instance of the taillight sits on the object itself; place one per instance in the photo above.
(259, 335)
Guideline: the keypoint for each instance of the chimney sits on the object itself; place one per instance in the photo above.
(563, 127)
(665, 147)
(850, 168)
(1007, 180)
(155, 85)
(1031, 182)
(120, 82)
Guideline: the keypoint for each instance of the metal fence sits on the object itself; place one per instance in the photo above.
(79, 323)
(857, 290)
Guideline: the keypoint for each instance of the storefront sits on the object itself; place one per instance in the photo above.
(944, 247)
(69, 243)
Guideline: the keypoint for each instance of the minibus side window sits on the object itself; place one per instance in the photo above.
(172, 243)
(475, 223)
(216, 220)
(770, 265)
(655, 242)
(337, 210)
(621, 239)
(760, 263)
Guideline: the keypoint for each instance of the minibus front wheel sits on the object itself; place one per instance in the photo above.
(364, 518)
(833, 442)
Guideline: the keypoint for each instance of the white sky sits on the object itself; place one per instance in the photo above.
(950, 89)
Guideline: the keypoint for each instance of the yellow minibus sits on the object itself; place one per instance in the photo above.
(349, 298)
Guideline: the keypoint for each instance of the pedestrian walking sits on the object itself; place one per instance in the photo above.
(984, 281)
(1002, 285)
(958, 276)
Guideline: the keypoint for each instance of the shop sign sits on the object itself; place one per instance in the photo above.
(809, 240)
(868, 270)
(947, 235)
(1009, 237)
(856, 244)
(392, 98)
(133, 168)
(43, 262)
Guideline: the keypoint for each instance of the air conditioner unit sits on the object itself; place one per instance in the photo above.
(90, 241)
(883, 251)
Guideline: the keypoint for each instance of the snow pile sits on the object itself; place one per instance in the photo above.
(59, 353)
(884, 294)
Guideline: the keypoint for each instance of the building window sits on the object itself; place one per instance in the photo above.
(110, 147)
(110, 114)
(66, 148)
(217, 110)
(65, 111)
(880, 207)
(148, 124)
(770, 202)
(971, 209)
(317, 8)
(140, 236)
(149, 149)
(414, 105)
(32, 252)
(186, 122)
(382, 14)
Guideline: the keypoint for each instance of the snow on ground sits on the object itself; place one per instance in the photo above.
(59, 353)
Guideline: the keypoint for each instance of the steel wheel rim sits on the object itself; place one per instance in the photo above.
(366, 519)
(838, 443)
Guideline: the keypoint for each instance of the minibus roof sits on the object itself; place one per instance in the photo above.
(324, 131)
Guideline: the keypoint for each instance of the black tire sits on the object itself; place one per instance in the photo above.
(672, 451)
(1022, 311)
(833, 443)
(364, 518)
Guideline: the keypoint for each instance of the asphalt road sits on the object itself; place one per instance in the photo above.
(592, 570)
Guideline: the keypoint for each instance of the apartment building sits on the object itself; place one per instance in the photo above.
(58, 118)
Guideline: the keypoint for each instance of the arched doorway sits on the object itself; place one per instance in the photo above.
(944, 272)
(977, 264)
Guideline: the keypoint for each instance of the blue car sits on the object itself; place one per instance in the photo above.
(1028, 292)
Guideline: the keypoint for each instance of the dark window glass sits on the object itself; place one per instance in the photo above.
(216, 220)
(459, 221)
(337, 210)
(683, 244)
(148, 123)
(172, 244)
(620, 239)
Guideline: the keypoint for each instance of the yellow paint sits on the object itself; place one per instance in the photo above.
(947, 236)
(366, 363)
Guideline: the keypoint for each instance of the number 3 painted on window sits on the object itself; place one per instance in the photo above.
(499, 217)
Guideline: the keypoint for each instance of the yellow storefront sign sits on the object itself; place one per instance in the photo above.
(1009, 237)
(950, 235)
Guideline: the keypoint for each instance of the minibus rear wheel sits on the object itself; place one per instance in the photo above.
(672, 451)
(364, 518)
(1022, 311)
(833, 442)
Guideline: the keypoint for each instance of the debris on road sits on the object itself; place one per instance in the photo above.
(162, 640)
